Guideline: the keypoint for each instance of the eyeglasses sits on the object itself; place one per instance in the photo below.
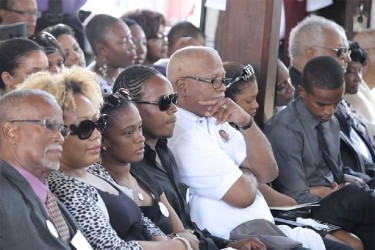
(114, 100)
(215, 82)
(25, 12)
(159, 38)
(49, 125)
(47, 41)
(246, 75)
(339, 51)
(86, 128)
(164, 102)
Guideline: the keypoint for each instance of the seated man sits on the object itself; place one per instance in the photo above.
(30, 148)
(305, 138)
(181, 34)
(210, 153)
(26, 11)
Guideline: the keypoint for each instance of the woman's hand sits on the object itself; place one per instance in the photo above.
(191, 237)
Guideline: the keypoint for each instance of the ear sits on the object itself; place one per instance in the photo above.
(105, 143)
(310, 53)
(181, 87)
(302, 92)
(100, 49)
(7, 78)
(10, 133)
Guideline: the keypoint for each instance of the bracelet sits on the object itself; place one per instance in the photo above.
(185, 241)
(247, 125)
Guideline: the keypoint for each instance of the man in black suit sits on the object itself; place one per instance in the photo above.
(31, 136)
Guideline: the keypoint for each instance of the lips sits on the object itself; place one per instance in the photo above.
(141, 150)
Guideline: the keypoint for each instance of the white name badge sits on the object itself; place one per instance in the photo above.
(163, 209)
(79, 242)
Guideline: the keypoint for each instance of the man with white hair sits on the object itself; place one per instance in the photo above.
(316, 36)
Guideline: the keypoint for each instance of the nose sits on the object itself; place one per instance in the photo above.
(95, 135)
(329, 110)
(345, 57)
(172, 109)
(140, 138)
(58, 137)
(357, 76)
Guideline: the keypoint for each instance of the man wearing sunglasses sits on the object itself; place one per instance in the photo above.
(14, 11)
(316, 36)
(32, 134)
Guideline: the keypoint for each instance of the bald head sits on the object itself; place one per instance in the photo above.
(193, 71)
(184, 62)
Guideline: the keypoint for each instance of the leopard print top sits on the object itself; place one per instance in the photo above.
(83, 202)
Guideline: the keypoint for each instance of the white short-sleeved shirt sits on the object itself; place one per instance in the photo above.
(208, 157)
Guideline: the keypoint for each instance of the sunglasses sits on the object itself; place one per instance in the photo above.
(164, 102)
(86, 128)
(47, 41)
(215, 82)
(114, 99)
(246, 75)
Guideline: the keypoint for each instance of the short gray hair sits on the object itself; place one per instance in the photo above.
(10, 103)
(310, 32)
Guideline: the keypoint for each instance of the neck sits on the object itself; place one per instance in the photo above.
(78, 173)
(151, 141)
(110, 74)
(119, 172)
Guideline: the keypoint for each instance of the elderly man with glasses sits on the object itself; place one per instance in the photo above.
(222, 165)
(316, 36)
(14, 11)
(31, 138)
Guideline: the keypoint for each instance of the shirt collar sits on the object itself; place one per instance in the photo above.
(39, 188)
(304, 113)
(193, 117)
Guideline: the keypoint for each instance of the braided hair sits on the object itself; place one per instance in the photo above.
(132, 78)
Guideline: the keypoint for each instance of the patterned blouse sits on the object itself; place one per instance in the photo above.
(87, 207)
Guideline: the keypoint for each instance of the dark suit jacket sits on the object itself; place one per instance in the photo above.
(349, 154)
(23, 217)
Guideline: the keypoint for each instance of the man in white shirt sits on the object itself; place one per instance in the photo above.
(220, 164)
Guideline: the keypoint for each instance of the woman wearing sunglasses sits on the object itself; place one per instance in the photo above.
(52, 49)
(123, 143)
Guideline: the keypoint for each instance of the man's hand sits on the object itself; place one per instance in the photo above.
(226, 110)
(248, 244)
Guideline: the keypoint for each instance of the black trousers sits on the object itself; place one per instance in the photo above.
(352, 208)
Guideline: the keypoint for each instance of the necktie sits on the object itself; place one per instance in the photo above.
(335, 169)
(57, 217)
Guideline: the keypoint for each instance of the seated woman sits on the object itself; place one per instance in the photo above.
(153, 24)
(243, 90)
(284, 90)
(19, 58)
(52, 49)
(122, 144)
(73, 53)
(108, 218)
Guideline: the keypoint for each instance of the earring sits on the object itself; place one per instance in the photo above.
(104, 148)
(103, 69)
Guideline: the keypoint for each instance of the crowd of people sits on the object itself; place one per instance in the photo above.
(152, 143)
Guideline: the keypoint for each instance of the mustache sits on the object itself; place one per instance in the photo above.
(53, 147)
